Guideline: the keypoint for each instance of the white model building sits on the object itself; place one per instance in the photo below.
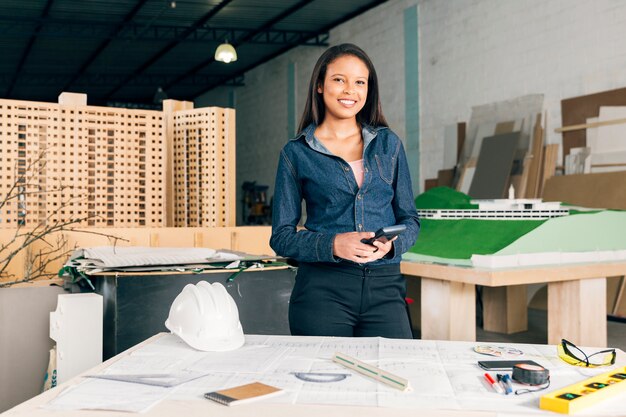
(502, 209)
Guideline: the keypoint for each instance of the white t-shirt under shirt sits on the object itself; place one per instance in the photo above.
(359, 172)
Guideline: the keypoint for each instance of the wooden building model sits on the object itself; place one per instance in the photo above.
(116, 167)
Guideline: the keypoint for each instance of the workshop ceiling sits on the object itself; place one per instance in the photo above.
(120, 51)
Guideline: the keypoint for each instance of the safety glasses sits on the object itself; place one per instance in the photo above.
(573, 355)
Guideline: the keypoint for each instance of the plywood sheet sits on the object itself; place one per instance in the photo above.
(611, 138)
(605, 190)
(466, 179)
(612, 158)
(550, 156)
(592, 135)
(494, 166)
(576, 110)
(445, 177)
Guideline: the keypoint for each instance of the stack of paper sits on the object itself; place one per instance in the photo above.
(142, 259)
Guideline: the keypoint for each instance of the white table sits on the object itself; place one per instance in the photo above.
(462, 376)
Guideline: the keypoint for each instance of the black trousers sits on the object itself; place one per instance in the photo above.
(341, 299)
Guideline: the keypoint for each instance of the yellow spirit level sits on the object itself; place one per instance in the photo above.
(586, 393)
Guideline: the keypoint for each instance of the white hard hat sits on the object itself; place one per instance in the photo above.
(205, 316)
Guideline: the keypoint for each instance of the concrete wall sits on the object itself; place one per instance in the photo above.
(481, 51)
(471, 52)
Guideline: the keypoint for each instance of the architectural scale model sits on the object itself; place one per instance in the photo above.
(501, 209)
(118, 167)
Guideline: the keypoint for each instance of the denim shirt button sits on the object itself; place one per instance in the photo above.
(360, 226)
(359, 196)
(347, 168)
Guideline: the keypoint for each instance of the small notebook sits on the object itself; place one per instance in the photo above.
(243, 394)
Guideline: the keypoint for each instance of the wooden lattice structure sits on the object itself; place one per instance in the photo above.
(117, 167)
(203, 162)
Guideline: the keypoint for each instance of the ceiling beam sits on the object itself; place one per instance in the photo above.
(19, 28)
(169, 47)
(100, 80)
(268, 25)
(326, 29)
(118, 28)
(27, 50)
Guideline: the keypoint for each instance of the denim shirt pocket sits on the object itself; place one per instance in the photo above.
(386, 168)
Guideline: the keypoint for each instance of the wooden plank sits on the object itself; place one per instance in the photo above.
(504, 309)
(589, 125)
(620, 301)
(252, 239)
(576, 110)
(504, 127)
(231, 167)
(173, 237)
(515, 276)
(445, 177)
(536, 151)
(612, 292)
(467, 174)
(577, 312)
(430, 183)
(214, 238)
(448, 310)
(461, 132)
(551, 154)
(598, 190)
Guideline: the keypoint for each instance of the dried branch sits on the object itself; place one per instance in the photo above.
(49, 230)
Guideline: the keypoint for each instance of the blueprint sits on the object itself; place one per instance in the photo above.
(443, 374)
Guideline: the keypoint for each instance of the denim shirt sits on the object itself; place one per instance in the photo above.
(334, 202)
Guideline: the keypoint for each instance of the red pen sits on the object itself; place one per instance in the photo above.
(497, 387)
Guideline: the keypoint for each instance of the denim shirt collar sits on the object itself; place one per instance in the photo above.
(368, 132)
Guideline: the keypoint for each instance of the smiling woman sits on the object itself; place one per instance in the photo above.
(352, 173)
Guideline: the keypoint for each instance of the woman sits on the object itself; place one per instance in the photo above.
(352, 173)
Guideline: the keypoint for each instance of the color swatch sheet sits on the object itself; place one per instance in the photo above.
(443, 374)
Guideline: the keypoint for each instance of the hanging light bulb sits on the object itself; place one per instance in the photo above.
(225, 53)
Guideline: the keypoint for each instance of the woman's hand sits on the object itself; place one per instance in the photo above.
(349, 246)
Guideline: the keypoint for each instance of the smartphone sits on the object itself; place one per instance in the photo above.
(503, 365)
(385, 234)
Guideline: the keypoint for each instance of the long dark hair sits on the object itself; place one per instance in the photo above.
(314, 110)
